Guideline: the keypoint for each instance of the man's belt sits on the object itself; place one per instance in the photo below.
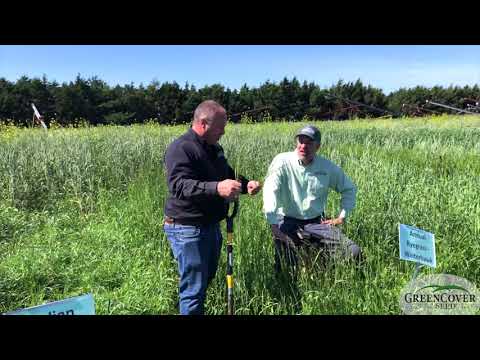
(317, 219)
(170, 221)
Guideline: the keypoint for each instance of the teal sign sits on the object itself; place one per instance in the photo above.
(79, 305)
(417, 245)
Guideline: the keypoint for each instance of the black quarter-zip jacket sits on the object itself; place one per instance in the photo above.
(194, 169)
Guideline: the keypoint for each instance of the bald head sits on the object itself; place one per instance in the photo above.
(208, 110)
(209, 120)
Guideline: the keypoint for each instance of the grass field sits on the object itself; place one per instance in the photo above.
(81, 210)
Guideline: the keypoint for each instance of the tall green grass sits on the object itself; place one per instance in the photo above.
(81, 211)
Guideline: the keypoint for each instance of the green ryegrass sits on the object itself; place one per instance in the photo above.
(81, 210)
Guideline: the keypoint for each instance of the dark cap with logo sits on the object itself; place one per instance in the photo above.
(311, 131)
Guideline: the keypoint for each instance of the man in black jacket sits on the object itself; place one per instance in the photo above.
(201, 184)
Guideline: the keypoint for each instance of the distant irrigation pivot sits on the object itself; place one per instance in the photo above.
(348, 107)
(475, 108)
(263, 108)
(358, 103)
(39, 117)
(472, 104)
(451, 107)
(415, 110)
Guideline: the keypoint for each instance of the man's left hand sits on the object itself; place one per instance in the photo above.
(253, 187)
(337, 221)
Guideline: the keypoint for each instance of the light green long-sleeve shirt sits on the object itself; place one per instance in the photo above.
(301, 192)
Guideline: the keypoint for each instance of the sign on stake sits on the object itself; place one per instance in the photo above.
(417, 245)
(79, 305)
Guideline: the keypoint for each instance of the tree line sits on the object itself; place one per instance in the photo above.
(94, 102)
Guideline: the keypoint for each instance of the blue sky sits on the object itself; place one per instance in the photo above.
(388, 67)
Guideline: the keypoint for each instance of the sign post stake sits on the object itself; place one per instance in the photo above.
(417, 270)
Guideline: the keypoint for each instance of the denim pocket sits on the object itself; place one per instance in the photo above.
(188, 231)
(181, 232)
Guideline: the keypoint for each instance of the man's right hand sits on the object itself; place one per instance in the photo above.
(229, 189)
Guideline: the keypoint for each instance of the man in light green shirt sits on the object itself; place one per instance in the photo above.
(295, 195)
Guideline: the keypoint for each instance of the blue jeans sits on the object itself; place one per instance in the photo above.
(197, 250)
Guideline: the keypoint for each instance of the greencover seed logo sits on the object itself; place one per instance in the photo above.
(440, 294)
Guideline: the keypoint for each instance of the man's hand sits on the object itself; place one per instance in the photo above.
(229, 189)
(253, 187)
(337, 221)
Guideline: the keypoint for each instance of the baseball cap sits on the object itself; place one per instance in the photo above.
(311, 131)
